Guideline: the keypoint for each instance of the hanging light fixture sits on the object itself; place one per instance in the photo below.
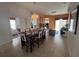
(35, 16)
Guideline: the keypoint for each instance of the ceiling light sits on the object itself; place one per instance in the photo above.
(35, 16)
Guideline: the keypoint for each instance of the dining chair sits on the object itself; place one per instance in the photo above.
(23, 39)
(26, 41)
(43, 34)
(35, 38)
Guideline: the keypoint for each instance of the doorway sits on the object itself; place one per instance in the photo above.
(60, 25)
(46, 23)
(14, 25)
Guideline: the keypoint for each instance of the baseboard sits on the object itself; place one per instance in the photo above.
(5, 42)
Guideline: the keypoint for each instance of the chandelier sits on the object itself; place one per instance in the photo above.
(35, 16)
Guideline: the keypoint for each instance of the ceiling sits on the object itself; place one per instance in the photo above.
(48, 8)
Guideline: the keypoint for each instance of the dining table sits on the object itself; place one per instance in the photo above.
(31, 34)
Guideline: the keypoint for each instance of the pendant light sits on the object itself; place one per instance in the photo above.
(34, 16)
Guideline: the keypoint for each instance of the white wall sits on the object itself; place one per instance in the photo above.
(22, 14)
(8, 10)
(4, 23)
(18, 24)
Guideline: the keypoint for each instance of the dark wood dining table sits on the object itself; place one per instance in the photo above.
(30, 34)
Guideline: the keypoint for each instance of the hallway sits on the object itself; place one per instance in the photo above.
(51, 47)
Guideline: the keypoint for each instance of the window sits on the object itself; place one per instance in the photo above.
(60, 23)
(34, 23)
(13, 24)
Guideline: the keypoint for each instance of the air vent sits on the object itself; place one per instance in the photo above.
(53, 12)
